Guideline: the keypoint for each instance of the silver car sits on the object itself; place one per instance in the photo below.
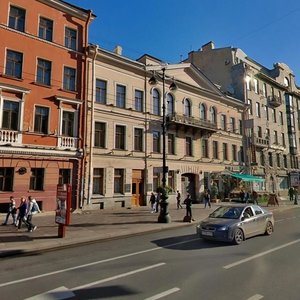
(235, 223)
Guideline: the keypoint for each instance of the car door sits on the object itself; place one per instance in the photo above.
(249, 222)
(260, 219)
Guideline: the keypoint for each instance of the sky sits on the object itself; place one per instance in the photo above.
(268, 31)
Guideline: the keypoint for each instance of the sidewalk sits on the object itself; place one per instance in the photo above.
(89, 226)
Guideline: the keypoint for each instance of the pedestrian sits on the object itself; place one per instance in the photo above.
(206, 197)
(12, 210)
(188, 205)
(242, 195)
(152, 201)
(33, 208)
(22, 213)
(157, 201)
(246, 197)
(291, 193)
(255, 197)
(178, 199)
(295, 196)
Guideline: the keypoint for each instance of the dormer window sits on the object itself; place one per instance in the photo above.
(286, 81)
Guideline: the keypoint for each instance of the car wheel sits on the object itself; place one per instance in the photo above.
(269, 228)
(238, 236)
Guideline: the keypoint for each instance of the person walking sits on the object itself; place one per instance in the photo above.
(22, 213)
(12, 210)
(291, 193)
(157, 201)
(33, 208)
(152, 201)
(255, 197)
(188, 205)
(207, 199)
(178, 199)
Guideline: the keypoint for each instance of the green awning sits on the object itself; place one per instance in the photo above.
(247, 177)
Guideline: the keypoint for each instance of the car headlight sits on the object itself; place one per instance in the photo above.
(223, 228)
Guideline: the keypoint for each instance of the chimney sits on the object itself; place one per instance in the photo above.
(209, 46)
(118, 50)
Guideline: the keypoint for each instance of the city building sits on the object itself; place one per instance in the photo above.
(42, 77)
(271, 118)
(125, 103)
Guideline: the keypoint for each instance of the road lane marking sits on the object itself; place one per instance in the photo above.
(256, 297)
(56, 294)
(93, 263)
(164, 294)
(260, 254)
(81, 287)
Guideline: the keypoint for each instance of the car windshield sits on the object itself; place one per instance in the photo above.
(227, 212)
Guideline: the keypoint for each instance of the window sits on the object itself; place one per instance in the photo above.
(37, 179)
(213, 115)
(156, 102)
(69, 79)
(188, 146)
(138, 139)
(187, 108)
(101, 91)
(278, 160)
(10, 116)
(285, 163)
(120, 137)
(257, 109)
(274, 115)
(171, 180)
(6, 179)
(232, 124)
(215, 150)
(262, 158)
(234, 153)
(119, 181)
(139, 100)
(267, 133)
(204, 144)
(270, 159)
(240, 127)
(68, 124)
(46, 29)
(248, 83)
(43, 73)
(282, 139)
(275, 137)
(259, 131)
(225, 151)
(41, 119)
(281, 117)
(250, 110)
(241, 154)
(256, 87)
(100, 135)
(223, 122)
(171, 143)
(156, 141)
(286, 81)
(267, 113)
(120, 96)
(70, 38)
(14, 62)
(17, 18)
(264, 89)
(170, 104)
(98, 181)
(64, 176)
(202, 112)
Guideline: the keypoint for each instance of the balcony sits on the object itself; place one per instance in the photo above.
(275, 101)
(68, 142)
(260, 142)
(9, 137)
(277, 147)
(194, 123)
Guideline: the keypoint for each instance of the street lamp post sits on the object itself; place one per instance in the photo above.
(164, 216)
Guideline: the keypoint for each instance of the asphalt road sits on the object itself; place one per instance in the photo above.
(173, 264)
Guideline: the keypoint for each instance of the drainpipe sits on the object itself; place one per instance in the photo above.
(84, 112)
(90, 170)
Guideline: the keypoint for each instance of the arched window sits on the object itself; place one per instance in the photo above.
(213, 115)
(156, 102)
(187, 108)
(170, 104)
(202, 112)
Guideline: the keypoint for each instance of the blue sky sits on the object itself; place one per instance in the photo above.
(266, 30)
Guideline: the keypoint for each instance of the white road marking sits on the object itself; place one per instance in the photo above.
(93, 263)
(164, 294)
(57, 294)
(117, 277)
(260, 254)
(256, 297)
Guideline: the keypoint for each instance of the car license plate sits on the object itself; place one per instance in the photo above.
(207, 233)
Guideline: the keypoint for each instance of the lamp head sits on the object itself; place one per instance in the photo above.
(173, 86)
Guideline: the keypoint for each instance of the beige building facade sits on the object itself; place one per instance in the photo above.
(124, 138)
(271, 116)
